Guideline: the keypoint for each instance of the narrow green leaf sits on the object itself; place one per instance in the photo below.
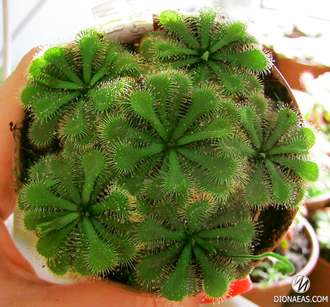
(93, 163)
(176, 180)
(117, 129)
(59, 264)
(49, 245)
(47, 106)
(307, 170)
(39, 195)
(300, 146)
(253, 59)
(159, 85)
(116, 202)
(142, 104)
(230, 33)
(281, 190)
(109, 59)
(181, 86)
(127, 157)
(207, 17)
(75, 122)
(205, 56)
(150, 231)
(151, 267)
(256, 192)
(248, 121)
(182, 63)
(124, 249)
(223, 168)
(238, 147)
(56, 223)
(203, 101)
(216, 284)
(56, 56)
(195, 213)
(33, 218)
(286, 119)
(101, 256)
(205, 244)
(89, 44)
(242, 232)
(174, 287)
(50, 81)
(232, 82)
(218, 128)
(173, 21)
(63, 170)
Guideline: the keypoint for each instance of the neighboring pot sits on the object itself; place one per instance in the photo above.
(323, 200)
(264, 297)
(317, 202)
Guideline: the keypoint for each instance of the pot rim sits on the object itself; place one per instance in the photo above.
(319, 198)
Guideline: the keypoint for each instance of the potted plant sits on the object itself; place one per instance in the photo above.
(156, 164)
(296, 47)
(321, 223)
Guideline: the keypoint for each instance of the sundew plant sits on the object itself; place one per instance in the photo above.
(209, 47)
(63, 87)
(157, 156)
(169, 127)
